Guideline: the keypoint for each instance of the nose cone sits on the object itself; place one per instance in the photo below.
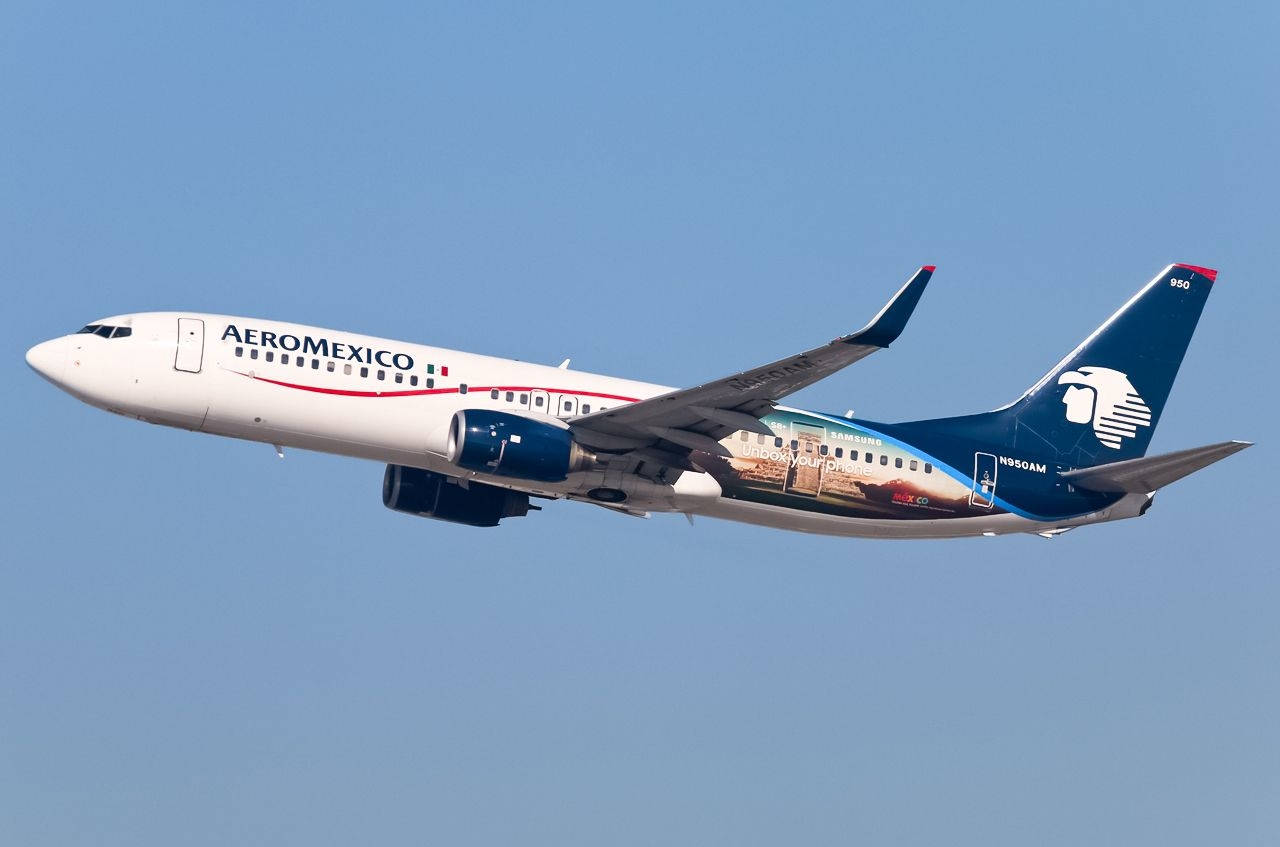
(49, 359)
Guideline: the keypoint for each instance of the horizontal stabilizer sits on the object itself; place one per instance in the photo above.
(1145, 475)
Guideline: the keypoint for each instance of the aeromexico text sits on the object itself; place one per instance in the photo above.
(319, 347)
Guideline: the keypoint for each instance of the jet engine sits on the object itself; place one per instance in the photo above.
(431, 495)
(503, 444)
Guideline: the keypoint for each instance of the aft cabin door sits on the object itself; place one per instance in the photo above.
(983, 495)
(190, 354)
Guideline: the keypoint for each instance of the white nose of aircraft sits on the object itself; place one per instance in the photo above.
(49, 359)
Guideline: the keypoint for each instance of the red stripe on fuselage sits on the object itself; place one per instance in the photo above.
(418, 392)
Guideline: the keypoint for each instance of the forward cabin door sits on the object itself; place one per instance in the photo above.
(190, 354)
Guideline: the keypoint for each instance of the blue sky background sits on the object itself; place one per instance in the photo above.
(202, 645)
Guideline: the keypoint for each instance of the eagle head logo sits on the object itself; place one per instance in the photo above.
(1107, 399)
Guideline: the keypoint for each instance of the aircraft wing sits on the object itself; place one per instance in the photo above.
(662, 430)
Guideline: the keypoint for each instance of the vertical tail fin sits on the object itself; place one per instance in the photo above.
(1102, 402)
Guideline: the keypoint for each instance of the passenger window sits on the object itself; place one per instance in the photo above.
(364, 373)
(462, 388)
(568, 406)
(795, 445)
(493, 394)
(301, 360)
(586, 408)
(331, 367)
(897, 463)
(253, 353)
(284, 358)
(839, 452)
(808, 447)
(315, 364)
(346, 369)
(868, 458)
(399, 376)
(822, 451)
(884, 460)
(914, 465)
(537, 401)
(744, 435)
(759, 438)
(928, 468)
(524, 399)
(240, 351)
(382, 374)
(431, 382)
(413, 379)
(511, 396)
(777, 441)
(270, 356)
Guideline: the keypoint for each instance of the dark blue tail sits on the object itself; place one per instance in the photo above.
(1102, 402)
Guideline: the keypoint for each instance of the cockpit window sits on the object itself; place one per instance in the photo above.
(106, 331)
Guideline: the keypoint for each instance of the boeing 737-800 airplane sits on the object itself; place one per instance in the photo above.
(470, 439)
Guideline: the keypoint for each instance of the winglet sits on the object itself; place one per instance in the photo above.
(885, 327)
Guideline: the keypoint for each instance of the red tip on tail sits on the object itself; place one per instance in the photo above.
(1210, 273)
(929, 268)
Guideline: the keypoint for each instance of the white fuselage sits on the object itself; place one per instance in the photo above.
(392, 402)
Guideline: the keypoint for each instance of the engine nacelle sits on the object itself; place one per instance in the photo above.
(432, 495)
(503, 444)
